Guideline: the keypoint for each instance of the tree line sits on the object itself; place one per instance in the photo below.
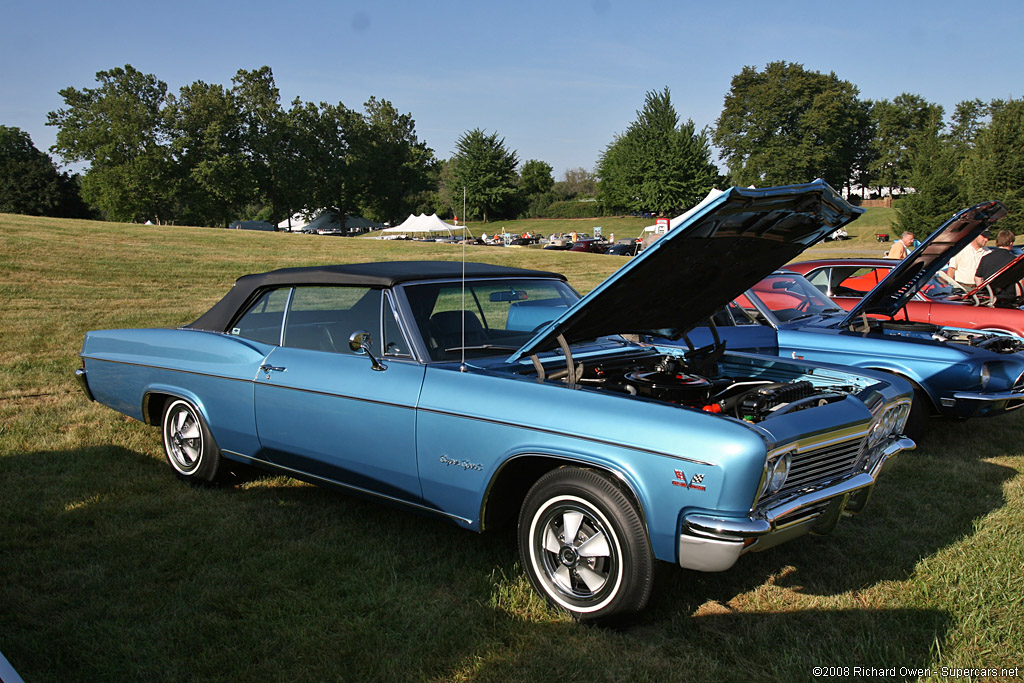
(212, 154)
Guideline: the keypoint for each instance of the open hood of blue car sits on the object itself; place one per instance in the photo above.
(728, 243)
(914, 272)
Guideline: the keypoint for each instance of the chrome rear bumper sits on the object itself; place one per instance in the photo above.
(84, 383)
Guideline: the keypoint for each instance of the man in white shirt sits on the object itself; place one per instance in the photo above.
(962, 266)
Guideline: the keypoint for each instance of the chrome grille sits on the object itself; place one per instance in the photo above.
(816, 466)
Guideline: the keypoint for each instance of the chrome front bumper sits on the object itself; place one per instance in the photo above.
(974, 403)
(713, 544)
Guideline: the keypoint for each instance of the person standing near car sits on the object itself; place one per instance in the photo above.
(963, 266)
(901, 247)
(994, 261)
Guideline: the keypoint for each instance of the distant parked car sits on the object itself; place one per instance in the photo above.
(623, 249)
(484, 395)
(590, 245)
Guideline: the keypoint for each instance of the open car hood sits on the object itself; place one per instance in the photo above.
(729, 242)
(913, 272)
(1010, 273)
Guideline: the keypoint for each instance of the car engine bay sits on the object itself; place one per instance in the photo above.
(743, 392)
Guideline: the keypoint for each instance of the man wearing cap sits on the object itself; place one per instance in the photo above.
(963, 266)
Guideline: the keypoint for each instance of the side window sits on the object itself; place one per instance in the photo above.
(323, 318)
(395, 343)
(858, 281)
(262, 322)
(819, 279)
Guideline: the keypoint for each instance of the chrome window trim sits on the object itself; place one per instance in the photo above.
(389, 299)
(287, 312)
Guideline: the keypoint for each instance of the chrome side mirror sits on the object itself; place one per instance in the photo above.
(359, 342)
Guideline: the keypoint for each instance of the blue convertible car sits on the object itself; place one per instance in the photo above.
(955, 372)
(487, 394)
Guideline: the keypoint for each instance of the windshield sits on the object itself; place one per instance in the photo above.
(785, 297)
(500, 315)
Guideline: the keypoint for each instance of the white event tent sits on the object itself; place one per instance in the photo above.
(423, 223)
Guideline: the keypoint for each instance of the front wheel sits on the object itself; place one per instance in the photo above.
(188, 444)
(584, 545)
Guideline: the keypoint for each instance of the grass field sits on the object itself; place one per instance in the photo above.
(111, 570)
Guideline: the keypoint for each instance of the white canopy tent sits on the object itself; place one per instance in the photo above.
(423, 223)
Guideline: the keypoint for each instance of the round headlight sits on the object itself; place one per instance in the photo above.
(779, 472)
(877, 432)
(890, 420)
(902, 413)
(986, 375)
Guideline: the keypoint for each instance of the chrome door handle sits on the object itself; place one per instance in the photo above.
(267, 369)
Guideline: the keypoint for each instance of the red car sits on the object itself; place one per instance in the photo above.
(939, 301)
(589, 245)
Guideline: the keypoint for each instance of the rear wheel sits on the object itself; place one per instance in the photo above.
(188, 444)
(584, 546)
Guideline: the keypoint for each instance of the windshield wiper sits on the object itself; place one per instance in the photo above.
(811, 315)
(481, 347)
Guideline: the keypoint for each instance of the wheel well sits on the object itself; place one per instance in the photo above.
(153, 405)
(510, 486)
(918, 389)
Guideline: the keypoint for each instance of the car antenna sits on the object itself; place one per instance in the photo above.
(462, 342)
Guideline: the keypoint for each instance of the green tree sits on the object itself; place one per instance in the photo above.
(966, 123)
(324, 138)
(576, 182)
(937, 195)
(214, 185)
(535, 193)
(895, 124)
(29, 181)
(789, 125)
(487, 170)
(395, 166)
(535, 177)
(995, 167)
(270, 144)
(658, 164)
(119, 129)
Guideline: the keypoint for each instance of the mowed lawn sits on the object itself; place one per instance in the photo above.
(112, 570)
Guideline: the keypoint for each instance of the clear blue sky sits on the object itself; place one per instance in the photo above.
(557, 79)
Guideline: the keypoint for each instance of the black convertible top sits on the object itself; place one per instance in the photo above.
(379, 274)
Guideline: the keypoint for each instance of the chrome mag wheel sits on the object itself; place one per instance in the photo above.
(188, 445)
(584, 545)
